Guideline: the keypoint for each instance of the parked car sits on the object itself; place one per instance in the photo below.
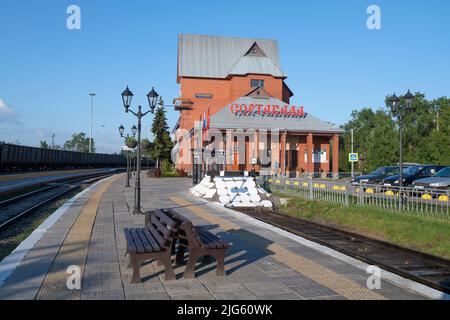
(377, 176)
(440, 181)
(411, 174)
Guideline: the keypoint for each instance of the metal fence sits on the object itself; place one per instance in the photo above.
(427, 202)
(314, 175)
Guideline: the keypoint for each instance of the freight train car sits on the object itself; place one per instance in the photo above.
(17, 157)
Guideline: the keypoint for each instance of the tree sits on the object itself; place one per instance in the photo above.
(426, 135)
(162, 144)
(44, 145)
(375, 136)
(79, 142)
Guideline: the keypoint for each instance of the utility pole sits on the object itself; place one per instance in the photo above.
(90, 137)
(102, 138)
(352, 163)
(53, 141)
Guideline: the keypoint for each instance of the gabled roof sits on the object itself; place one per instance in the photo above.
(218, 57)
(256, 65)
(226, 119)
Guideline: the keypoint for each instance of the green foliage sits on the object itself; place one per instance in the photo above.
(44, 144)
(162, 144)
(426, 135)
(79, 142)
(146, 144)
(130, 140)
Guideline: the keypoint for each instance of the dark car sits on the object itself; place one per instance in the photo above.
(440, 181)
(411, 174)
(377, 176)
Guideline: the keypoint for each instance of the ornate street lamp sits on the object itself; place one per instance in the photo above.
(152, 97)
(400, 108)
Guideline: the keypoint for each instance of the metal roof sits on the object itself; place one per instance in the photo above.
(226, 119)
(216, 57)
(257, 65)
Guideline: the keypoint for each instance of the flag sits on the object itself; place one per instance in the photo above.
(200, 138)
(204, 126)
(208, 120)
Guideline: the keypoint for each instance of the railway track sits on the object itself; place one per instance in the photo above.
(424, 268)
(17, 207)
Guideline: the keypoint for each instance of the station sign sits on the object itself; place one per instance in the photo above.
(268, 110)
(203, 96)
(353, 157)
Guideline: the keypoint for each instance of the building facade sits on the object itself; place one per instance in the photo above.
(237, 88)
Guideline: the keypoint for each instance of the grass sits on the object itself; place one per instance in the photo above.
(427, 234)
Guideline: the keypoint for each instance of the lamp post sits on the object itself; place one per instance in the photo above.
(152, 97)
(400, 107)
(92, 105)
(127, 153)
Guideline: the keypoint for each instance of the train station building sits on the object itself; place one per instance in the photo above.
(238, 88)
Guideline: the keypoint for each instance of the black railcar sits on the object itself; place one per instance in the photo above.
(17, 158)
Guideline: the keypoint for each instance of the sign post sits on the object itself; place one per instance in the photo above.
(353, 174)
(352, 157)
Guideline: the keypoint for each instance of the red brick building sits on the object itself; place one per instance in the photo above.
(240, 82)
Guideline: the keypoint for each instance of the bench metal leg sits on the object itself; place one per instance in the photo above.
(168, 269)
(136, 263)
(189, 272)
(220, 260)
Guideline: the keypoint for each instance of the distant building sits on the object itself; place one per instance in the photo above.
(241, 83)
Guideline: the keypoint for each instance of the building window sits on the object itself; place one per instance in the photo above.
(257, 83)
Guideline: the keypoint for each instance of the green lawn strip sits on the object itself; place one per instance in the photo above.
(427, 234)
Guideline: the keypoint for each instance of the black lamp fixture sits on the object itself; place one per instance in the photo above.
(121, 130)
(127, 96)
(393, 103)
(134, 130)
(409, 97)
(152, 97)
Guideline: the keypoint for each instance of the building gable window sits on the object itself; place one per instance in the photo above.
(255, 83)
(255, 50)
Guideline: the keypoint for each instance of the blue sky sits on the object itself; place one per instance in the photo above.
(334, 62)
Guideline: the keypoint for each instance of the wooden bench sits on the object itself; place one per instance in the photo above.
(199, 241)
(154, 241)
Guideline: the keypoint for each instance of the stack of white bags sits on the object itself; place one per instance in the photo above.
(239, 192)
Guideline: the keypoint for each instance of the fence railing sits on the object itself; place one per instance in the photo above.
(314, 175)
(428, 202)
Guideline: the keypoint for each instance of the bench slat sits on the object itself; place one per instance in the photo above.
(151, 239)
(160, 227)
(147, 244)
(205, 240)
(137, 241)
(156, 235)
(210, 239)
(165, 218)
(130, 243)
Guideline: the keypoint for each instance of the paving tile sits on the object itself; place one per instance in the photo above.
(252, 273)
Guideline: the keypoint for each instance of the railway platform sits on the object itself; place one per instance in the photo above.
(85, 236)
